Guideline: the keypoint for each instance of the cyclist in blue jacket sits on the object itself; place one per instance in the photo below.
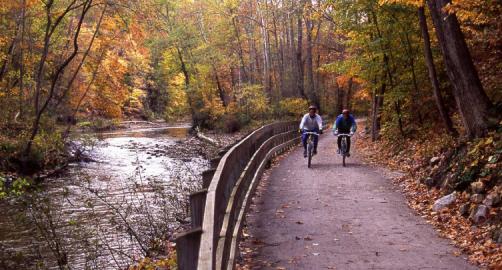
(345, 123)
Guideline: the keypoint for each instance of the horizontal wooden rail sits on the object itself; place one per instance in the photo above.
(227, 197)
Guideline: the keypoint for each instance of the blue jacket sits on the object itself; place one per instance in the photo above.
(343, 125)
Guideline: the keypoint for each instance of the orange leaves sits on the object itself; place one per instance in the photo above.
(343, 80)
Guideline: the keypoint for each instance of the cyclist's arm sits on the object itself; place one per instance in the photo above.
(319, 122)
(335, 125)
(354, 125)
(302, 123)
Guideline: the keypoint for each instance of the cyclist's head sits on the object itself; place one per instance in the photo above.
(346, 113)
(312, 110)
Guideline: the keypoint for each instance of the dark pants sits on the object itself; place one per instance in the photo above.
(315, 138)
(340, 143)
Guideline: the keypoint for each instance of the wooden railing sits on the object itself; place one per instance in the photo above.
(218, 210)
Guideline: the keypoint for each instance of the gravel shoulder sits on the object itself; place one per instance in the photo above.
(331, 217)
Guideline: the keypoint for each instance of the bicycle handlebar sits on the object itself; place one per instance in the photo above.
(343, 134)
(311, 133)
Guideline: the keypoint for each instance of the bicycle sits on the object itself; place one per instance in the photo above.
(343, 150)
(310, 146)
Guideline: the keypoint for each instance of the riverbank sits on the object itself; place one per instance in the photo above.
(118, 207)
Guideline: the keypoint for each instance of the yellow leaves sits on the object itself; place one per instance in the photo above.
(474, 163)
(152, 264)
(417, 3)
(252, 100)
(177, 104)
(488, 141)
(293, 106)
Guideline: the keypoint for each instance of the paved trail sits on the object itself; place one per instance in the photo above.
(330, 217)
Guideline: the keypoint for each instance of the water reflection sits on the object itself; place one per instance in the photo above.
(179, 132)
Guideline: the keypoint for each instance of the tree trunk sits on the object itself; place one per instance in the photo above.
(348, 98)
(279, 56)
(433, 75)
(311, 91)
(339, 99)
(39, 111)
(186, 74)
(299, 59)
(415, 95)
(240, 51)
(378, 96)
(21, 61)
(472, 101)
(397, 106)
(253, 55)
(374, 106)
(265, 44)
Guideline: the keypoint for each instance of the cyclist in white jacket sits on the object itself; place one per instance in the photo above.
(311, 122)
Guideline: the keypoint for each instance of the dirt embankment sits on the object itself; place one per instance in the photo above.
(456, 186)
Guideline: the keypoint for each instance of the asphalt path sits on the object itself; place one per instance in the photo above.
(334, 217)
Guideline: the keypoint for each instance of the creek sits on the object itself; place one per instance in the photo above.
(110, 212)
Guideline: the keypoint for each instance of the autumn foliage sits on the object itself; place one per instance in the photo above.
(412, 67)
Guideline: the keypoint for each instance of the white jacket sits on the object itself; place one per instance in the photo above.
(311, 123)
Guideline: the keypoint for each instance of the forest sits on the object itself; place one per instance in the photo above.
(81, 62)
(425, 75)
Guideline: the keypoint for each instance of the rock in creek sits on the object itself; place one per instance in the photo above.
(444, 202)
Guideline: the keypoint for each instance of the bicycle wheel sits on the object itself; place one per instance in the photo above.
(344, 150)
(309, 154)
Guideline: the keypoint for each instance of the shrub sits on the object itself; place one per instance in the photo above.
(48, 148)
(294, 107)
(229, 123)
(252, 101)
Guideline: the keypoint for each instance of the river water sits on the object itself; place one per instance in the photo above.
(108, 213)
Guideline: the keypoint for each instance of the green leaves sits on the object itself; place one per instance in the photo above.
(16, 187)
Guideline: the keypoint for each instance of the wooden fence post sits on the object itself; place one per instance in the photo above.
(187, 249)
(197, 204)
(207, 176)
(214, 162)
